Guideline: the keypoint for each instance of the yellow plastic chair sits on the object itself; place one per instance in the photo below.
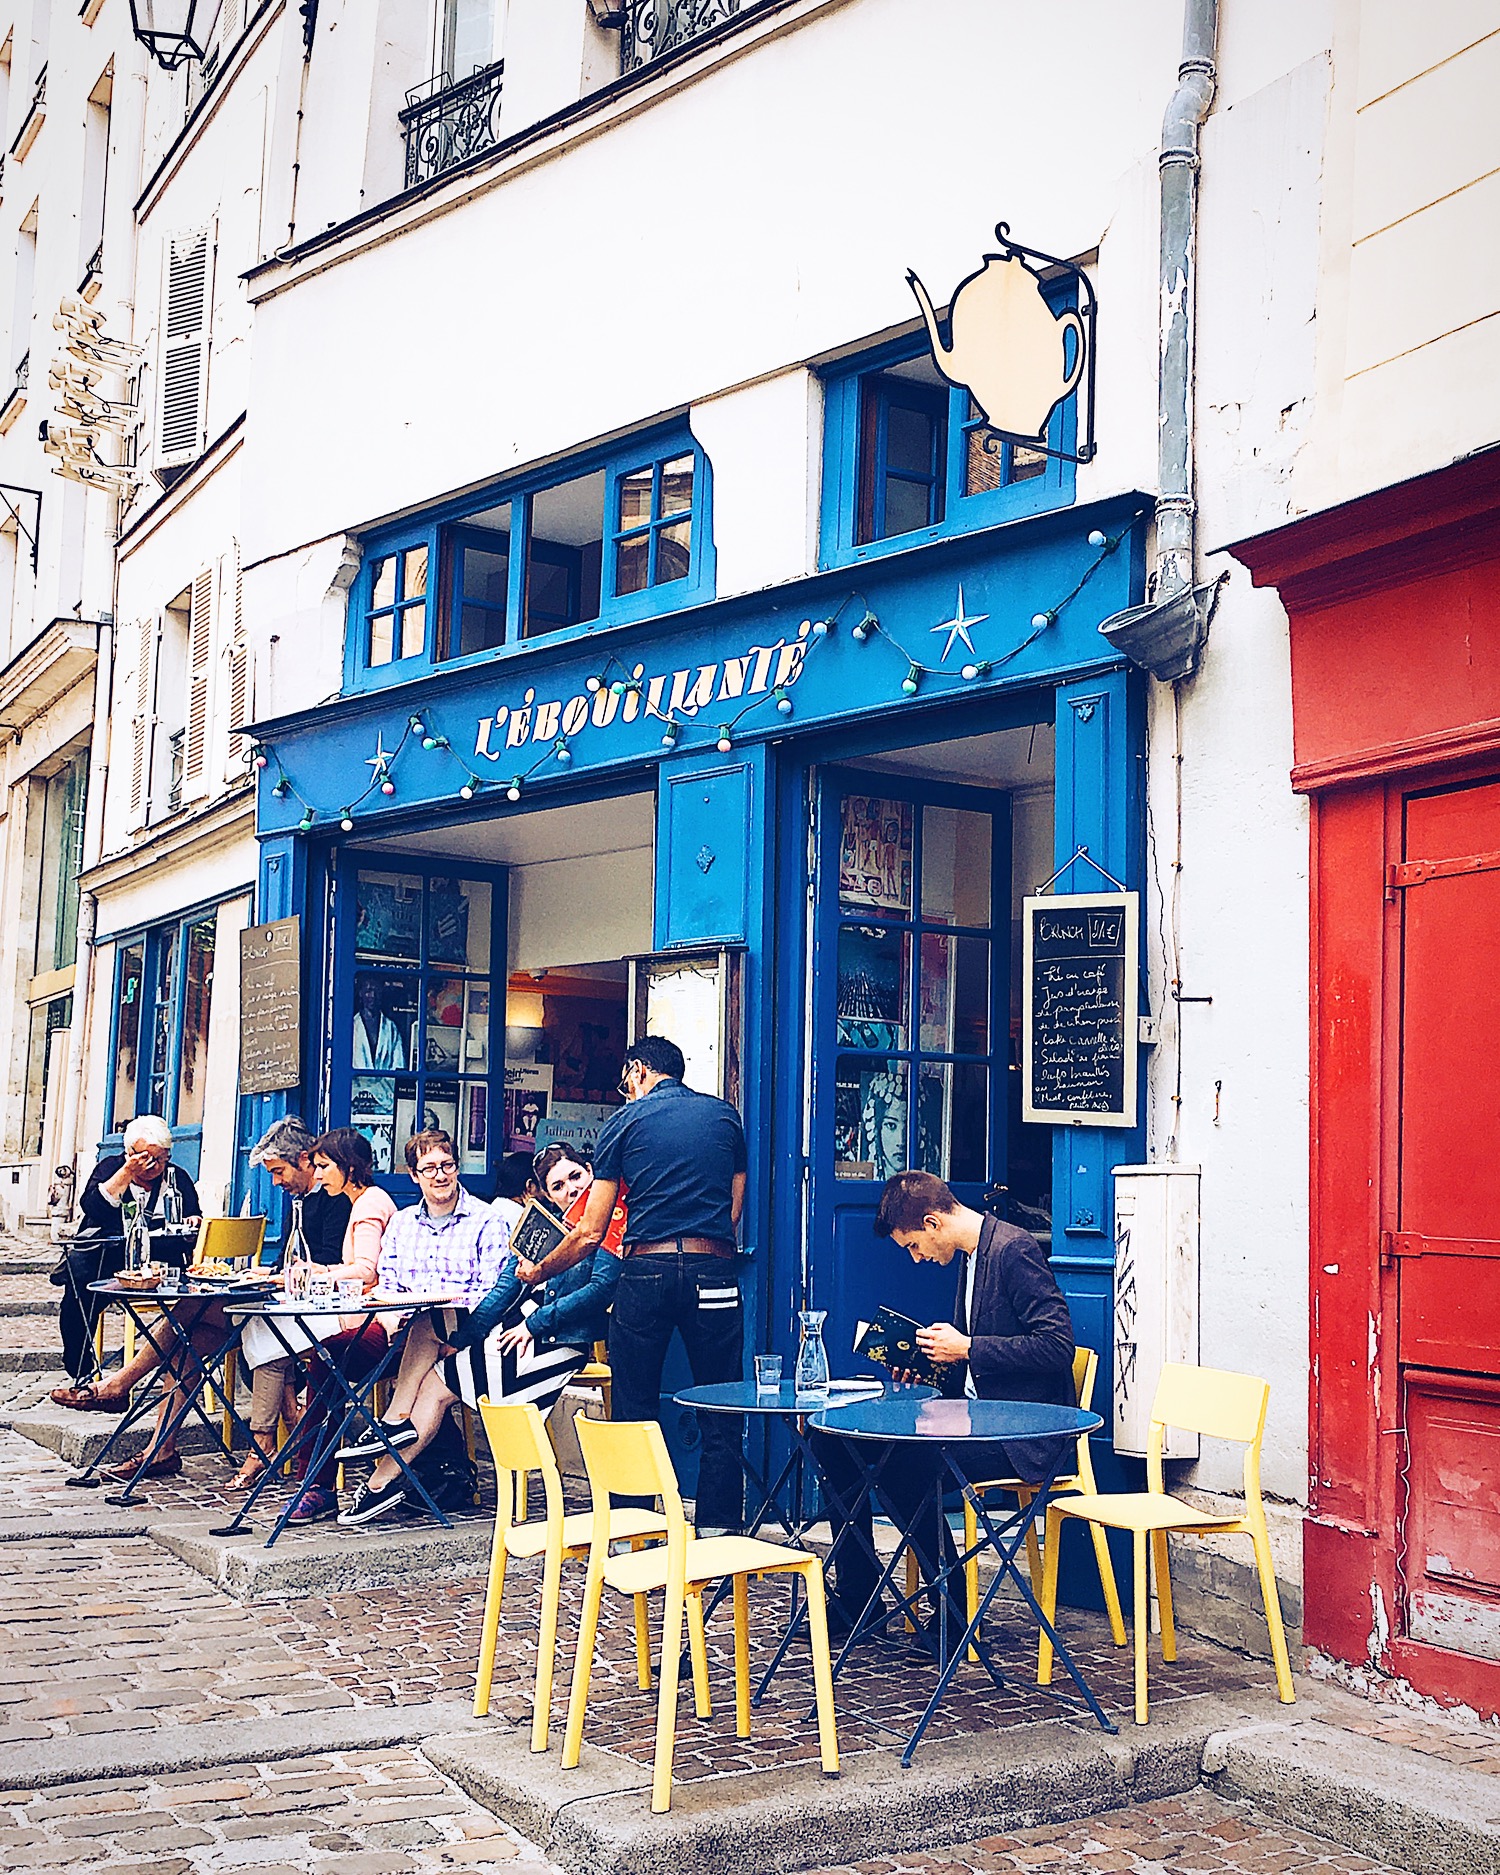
(629, 1457)
(519, 1442)
(229, 1240)
(600, 1373)
(1085, 1373)
(1217, 1405)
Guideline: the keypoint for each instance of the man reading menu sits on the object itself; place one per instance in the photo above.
(1010, 1338)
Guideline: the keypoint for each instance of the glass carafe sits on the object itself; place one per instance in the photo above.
(296, 1264)
(137, 1237)
(812, 1356)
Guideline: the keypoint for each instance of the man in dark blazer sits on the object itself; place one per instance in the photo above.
(1011, 1338)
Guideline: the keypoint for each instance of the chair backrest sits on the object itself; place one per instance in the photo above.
(519, 1443)
(229, 1239)
(629, 1458)
(1085, 1373)
(1214, 1402)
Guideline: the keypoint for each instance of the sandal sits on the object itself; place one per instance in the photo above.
(132, 1471)
(86, 1398)
(257, 1462)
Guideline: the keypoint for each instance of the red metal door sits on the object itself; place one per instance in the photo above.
(1447, 1246)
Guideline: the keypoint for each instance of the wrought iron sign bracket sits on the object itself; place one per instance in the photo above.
(1088, 314)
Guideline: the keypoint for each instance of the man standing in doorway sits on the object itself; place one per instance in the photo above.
(681, 1157)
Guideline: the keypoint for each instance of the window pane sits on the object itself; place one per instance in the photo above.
(46, 1020)
(383, 584)
(869, 1118)
(443, 1035)
(909, 436)
(674, 552)
(469, 36)
(956, 866)
(474, 1057)
(635, 499)
(984, 461)
(875, 837)
(192, 1070)
(633, 563)
(440, 1106)
(953, 1120)
(677, 485)
(483, 584)
(908, 505)
(565, 554)
(372, 1111)
(458, 923)
(874, 972)
(473, 1136)
(955, 995)
(127, 1032)
(388, 915)
(414, 580)
(385, 1017)
(413, 630)
(382, 626)
(1026, 463)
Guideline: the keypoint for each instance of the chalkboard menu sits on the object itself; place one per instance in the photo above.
(1081, 985)
(270, 1007)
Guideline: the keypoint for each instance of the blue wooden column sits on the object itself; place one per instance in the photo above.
(1100, 731)
(281, 892)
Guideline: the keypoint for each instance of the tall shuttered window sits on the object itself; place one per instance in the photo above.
(185, 347)
(200, 672)
(139, 686)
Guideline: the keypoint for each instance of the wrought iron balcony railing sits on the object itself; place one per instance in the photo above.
(445, 124)
(652, 27)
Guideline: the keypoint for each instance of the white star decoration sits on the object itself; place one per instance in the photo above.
(381, 758)
(958, 626)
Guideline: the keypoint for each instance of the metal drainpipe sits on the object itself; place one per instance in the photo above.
(1179, 240)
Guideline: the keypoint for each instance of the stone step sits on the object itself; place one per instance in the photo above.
(324, 1559)
(78, 1438)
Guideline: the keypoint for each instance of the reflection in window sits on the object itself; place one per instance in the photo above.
(198, 983)
(654, 537)
(564, 555)
(46, 1020)
(481, 582)
(396, 623)
(903, 452)
(128, 988)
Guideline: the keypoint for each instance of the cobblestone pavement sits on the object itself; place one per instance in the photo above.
(1183, 1835)
(343, 1813)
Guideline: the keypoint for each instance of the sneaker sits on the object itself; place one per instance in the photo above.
(367, 1504)
(314, 1505)
(398, 1432)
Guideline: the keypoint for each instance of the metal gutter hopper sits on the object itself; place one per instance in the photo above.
(1166, 637)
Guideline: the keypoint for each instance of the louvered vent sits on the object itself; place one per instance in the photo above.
(184, 365)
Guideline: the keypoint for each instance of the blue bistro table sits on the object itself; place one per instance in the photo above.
(875, 1428)
(180, 1304)
(794, 1409)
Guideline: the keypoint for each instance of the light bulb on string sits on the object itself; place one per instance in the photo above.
(726, 739)
(282, 789)
(387, 786)
(418, 728)
(783, 701)
(346, 820)
(260, 758)
(821, 627)
(1098, 538)
(618, 687)
(860, 632)
(971, 671)
(1041, 620)
(669, 734)
(305, 824)
(469, 789)
(912, 681)
(513, 792)
(562, 752)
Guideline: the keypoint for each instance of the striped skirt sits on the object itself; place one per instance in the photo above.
(538, 1376)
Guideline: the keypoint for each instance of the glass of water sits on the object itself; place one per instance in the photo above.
(320, 1283)
(768, 1373)
(350, 1289)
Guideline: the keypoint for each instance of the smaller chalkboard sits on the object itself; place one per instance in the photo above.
(1081, 993)
(270, 1007)
(536, 1232)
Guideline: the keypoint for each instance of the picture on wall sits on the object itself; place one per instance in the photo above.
(875, 853)
(385, 1010)
(387, 916)
(528, 1097)
(447, 922)
(872, 987)
(870, 1113)
(586, 1040)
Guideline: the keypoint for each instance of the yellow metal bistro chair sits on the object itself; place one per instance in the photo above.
(1217, 1405)
(1085, 1373)
(519, 1442)
(229, 1240)
(630, 1458)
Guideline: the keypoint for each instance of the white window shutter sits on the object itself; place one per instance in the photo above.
(240, 704)
(186, 318)
(142, 721)
(200, 666)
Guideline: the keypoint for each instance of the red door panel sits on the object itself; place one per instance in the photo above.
(1453, 1523)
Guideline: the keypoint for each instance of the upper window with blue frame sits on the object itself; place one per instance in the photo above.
(620, 536)
(908, 457)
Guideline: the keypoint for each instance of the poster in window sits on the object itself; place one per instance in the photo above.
(528, 1097)
(474, 1144)
(439, 1109)
(872, 986)
(447, 922)
(586, 1040)
(870, 1113)
(387, 915)
(875, 853)
(385, 1010)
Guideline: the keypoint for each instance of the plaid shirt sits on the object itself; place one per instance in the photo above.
(458, 1255)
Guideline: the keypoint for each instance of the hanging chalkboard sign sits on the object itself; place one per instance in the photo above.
(1081, 986)
(270, 1007)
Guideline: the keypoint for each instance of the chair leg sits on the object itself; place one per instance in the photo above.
(1265, 1568)
(1142, 1622)
(490, 1627)
(913, 1583)
(666, 1705)
(1161, 1564)
(817, 1634)
(971, 1567)
(642, 1632)
(1033, 1554)
(546, 1647)
(583, 1666)
(741, 1657)
(703, 1704)
(1107, 1583)
(1048, 1596)
(226, 1417)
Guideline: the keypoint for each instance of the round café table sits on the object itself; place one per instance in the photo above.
(875, 1428)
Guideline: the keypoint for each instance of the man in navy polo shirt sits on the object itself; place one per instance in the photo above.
(681, 1159)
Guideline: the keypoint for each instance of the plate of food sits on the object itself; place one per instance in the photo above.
(148, 1278)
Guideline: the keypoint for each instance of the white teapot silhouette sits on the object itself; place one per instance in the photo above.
(1006, 347)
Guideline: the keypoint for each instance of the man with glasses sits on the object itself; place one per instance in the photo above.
(448, 1244)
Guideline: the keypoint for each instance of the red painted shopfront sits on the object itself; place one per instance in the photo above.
(1394, 602)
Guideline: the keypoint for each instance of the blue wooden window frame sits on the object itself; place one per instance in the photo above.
(848, 436)
(443, 529)
(347, 965)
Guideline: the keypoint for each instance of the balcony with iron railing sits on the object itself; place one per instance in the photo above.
(444, 124)
(15, 396)
(651, 28)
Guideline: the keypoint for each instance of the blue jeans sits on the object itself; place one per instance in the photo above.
(667, 1290)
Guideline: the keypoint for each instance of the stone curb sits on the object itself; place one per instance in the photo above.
(1396, 1805)
(45, 1762)
(109, 1523)
(597, 1820)
(324, 1561)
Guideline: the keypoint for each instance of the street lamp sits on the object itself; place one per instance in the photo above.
(170, 29)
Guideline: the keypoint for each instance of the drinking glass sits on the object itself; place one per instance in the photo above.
(768, 1373)
(320, 1284)
(351, 1289)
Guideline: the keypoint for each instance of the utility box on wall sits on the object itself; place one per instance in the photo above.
(1156, 1296)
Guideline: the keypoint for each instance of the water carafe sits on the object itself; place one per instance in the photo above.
(812, 1356)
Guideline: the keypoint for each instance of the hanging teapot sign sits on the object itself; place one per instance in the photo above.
(1009, 349)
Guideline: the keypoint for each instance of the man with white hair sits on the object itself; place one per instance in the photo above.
(138, 1179)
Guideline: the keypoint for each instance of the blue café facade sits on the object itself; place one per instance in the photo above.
(837, 770)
